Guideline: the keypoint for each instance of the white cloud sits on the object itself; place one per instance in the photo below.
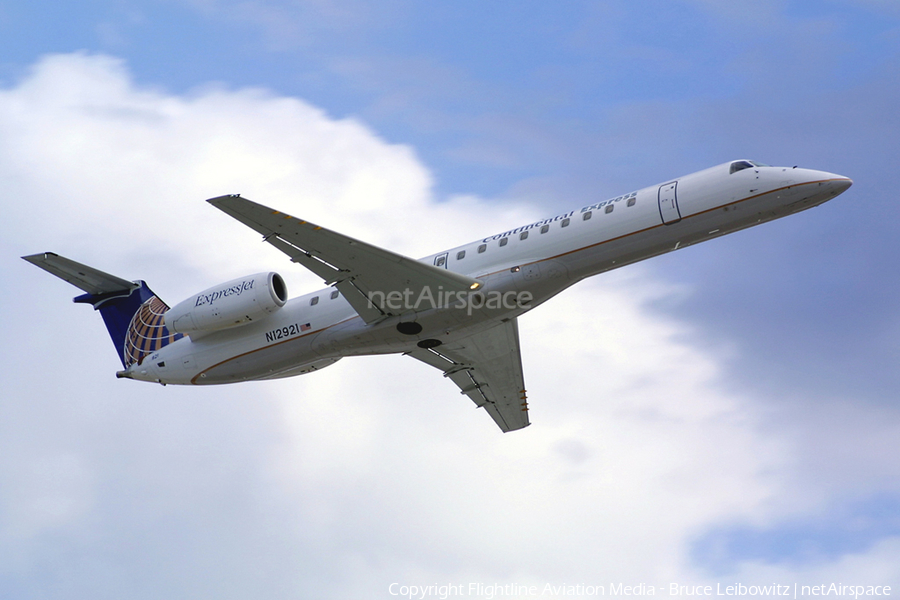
(375, 470)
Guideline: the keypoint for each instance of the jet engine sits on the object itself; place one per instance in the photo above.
(231, 304)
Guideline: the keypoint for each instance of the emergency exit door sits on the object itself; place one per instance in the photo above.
(668, 203)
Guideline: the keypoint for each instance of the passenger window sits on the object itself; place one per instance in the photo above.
(586, 216)
(482, 248)
(523, 235)
(460, 255)
(631, 201)
(545, 229)
(504, 241)
(314, 301)
(564, 223)
(609, 208)
(334, 294)
(440, 260)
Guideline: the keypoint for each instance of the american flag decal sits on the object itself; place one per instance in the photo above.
(146, 332)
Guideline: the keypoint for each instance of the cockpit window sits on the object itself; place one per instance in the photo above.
(740, 165)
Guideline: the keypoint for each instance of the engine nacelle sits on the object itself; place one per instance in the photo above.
(237, 302)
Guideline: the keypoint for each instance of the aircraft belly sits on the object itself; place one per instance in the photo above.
(259, 363)
(543, 280)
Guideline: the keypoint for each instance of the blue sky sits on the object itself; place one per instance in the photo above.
(492, 97)
(771, 431)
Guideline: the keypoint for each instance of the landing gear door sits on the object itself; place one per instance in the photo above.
(668, 203)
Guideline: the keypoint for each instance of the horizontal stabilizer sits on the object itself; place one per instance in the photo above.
(81, 276)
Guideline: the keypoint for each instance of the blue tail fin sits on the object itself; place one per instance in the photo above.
(134, 319)
(132, 312)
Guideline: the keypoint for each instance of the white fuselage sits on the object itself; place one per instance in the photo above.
(541, 258)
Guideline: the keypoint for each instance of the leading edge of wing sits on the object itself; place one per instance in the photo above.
(356, 268)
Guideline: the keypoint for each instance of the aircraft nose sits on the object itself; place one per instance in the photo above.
(834, 183)
(840, 184)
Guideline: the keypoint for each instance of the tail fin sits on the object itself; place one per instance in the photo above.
(132, 312)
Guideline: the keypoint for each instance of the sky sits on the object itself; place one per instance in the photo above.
(727, 413)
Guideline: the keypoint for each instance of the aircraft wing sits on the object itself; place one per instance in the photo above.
(360, 271)
(487, 367)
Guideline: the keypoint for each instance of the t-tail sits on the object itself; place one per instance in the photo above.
(132, 312)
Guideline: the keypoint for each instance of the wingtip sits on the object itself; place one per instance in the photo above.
(39, 256)
(220, 199)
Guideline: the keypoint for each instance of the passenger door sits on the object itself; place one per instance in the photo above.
(668, 203)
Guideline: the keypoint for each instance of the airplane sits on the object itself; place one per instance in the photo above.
(455, 310)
